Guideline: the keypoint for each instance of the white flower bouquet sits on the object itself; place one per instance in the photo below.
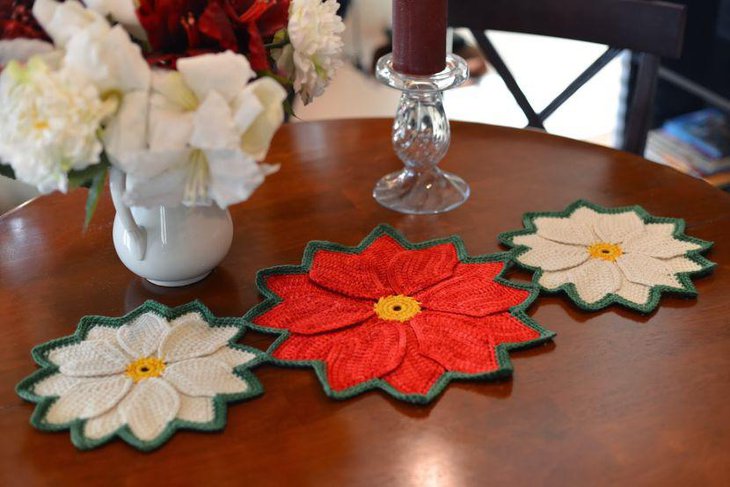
(184, 97)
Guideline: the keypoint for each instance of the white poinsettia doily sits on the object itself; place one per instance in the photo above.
(600, 256)
(141, 378)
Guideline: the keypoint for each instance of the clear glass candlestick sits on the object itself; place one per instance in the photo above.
(421, 137)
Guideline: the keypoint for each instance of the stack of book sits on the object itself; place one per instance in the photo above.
(697, 144)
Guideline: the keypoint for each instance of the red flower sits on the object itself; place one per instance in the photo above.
(178, 28)
(389, 314)
(17, 21)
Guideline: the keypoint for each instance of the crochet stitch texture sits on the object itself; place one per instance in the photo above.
(401, 317)
(601, 256)
(141, 377)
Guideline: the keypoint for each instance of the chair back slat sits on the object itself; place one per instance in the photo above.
(640, 25)
(652, 28)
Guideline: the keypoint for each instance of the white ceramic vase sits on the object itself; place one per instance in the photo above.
(169, 247)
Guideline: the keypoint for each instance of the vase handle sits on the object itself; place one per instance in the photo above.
(117, 184)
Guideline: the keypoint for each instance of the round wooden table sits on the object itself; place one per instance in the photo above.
(618, 397)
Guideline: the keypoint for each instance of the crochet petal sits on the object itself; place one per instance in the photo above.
(416, 374)
(58, 384)
(617, 227)
(585, 216)
(467, 344)
(564, 230)
(300, 348)
(191, 317)
(456, 342)
(233, 357)
(660, 229)
(88, 399)
(194, 338)
(551, 256)
(149, 408)
(368, 352)
(141, 337)
(89, 358)
(413, 270)
(659, 246)
(353, 355)
(642, 269)
(505, 328)
(472, 292)
(531, 240)
(636, 293)
(682, 264)
(595, 279)
(363, 275)
(204, 377)
(308, 308)
(103, 425)
(196, 409)
(554, 279)
(104, 333)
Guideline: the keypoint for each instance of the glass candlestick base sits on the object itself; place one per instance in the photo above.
(421, 138)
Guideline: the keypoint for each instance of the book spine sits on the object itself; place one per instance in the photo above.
(678, 131)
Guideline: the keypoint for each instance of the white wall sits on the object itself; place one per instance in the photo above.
(13, 193)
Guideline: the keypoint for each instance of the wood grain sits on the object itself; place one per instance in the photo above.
(618, 398)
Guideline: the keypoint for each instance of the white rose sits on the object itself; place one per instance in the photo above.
(315, 31)
(208, 129)
(48, 123)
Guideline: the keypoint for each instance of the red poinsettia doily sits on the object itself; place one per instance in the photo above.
(405, 318)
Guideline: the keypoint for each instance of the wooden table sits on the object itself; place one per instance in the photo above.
(617, 398)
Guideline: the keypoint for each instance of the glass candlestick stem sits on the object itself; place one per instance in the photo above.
(421, 138)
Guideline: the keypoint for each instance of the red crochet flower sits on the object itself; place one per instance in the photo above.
(390, 314)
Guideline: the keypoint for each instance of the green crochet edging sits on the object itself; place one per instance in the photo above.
(687, 290)
(502, 351)
(40, 354)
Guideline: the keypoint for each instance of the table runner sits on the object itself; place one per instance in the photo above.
(601, 256)
(392, 315)
(141, 377)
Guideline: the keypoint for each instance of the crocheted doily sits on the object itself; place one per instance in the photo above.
(141, 377)
(600, 256)
(405, 318)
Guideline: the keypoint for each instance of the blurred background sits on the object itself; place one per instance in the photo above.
(689, 121)
(542, 66)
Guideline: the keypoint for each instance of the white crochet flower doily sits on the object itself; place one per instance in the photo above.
(141, 377)
(601, 256)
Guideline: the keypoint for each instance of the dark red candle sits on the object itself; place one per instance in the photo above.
(419, 36)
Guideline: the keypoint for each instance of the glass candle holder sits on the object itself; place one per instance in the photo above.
(421, 138)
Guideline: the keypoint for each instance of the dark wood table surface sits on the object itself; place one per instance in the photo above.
(618, 398)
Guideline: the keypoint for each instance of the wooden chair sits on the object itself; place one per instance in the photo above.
(650, 29)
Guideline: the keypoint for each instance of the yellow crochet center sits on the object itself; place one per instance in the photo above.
(605, 251)
(145, 368)
(397, 308)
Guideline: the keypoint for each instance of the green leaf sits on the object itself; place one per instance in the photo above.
(289, 108)
(83, 178)
(95, 190)
(6, 171)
